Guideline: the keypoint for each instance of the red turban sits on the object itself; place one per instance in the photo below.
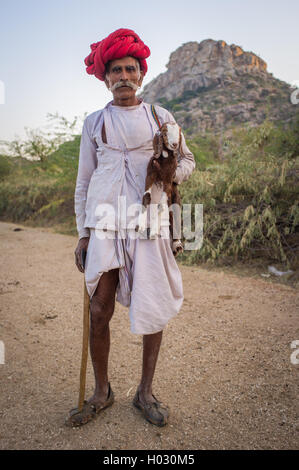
(119, 44)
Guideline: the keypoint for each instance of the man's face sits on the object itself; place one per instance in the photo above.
(123, 73)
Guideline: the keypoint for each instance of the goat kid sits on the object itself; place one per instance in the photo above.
(160, 171)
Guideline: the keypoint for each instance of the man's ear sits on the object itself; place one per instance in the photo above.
(158, 144)
(141, 78)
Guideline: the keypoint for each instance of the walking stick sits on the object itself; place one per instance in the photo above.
(84, 356)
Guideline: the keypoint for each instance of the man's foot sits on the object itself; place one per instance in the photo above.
(90, 410)
(153, 410)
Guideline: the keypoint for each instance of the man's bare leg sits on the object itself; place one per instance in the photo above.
(151, 348)
(102, 308)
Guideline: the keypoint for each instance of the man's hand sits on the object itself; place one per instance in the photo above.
(82, 245)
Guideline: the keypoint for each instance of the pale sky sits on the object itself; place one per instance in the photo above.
(43, 44)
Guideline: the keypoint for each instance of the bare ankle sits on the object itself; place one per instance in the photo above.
(102, 390)
(145, 390)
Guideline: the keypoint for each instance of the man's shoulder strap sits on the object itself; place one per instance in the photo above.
(155, 116)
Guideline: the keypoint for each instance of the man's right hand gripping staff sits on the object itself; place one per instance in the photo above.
(81, 247)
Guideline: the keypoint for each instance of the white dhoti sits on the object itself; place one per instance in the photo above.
(150, 282)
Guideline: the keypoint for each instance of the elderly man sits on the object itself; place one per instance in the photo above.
(140, 272)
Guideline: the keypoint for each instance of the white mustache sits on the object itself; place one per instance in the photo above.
(124, 83)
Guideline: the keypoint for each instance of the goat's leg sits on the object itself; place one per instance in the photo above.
(149, 181)
(142, 219)
(147, 197)
(155, 211)
(146, 200)
(177, 246)
(171, 224)
(165, 197)
(163, 200)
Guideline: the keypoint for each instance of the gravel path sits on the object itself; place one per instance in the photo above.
(224, 368)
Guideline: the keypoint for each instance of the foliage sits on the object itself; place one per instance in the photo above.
(204, 148)
(41, 192)
(176, 103)
(6, 166)
(250, 202)
(250, 196)
(39, 144)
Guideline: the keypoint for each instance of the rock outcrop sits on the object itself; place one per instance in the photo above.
(213, 85)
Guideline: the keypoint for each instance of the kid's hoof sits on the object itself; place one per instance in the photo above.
(177, 247)
(146, 200)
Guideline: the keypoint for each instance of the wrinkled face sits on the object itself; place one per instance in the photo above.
(124, 77)
(171, 135)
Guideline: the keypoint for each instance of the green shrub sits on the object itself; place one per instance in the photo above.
(250, 195)
(250, 202)
(6, 165)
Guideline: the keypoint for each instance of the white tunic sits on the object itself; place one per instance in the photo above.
(102, 167)
(133, 130)
(150, 282)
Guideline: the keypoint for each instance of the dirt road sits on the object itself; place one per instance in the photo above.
(224, 368)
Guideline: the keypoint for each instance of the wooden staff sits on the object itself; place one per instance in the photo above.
(84, 356)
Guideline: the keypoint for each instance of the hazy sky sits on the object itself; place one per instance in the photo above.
(43, 44)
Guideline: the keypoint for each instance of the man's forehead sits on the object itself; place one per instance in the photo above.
(123, 61)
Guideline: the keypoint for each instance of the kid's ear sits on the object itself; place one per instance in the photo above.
(141, 78)
(158, 145)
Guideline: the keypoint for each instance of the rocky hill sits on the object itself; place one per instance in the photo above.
(215, 86)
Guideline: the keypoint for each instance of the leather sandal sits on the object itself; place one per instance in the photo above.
(89, 411)
(155, 412)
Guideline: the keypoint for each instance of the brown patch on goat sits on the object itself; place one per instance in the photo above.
(163, 174)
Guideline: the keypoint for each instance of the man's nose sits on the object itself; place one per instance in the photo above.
(124, 75)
